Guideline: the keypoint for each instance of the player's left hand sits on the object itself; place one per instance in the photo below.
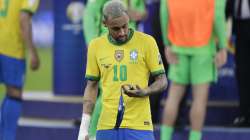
(134, 91)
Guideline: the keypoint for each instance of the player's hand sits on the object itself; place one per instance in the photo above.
(170, 55)
(86, 137)
(221, 58)
(83, 137)
(34, 60)
(134, 91)
(135, 15)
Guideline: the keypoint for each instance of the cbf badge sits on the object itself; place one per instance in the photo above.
(119, 55)
(133, 56)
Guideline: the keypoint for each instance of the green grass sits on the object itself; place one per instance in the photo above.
(40, 80)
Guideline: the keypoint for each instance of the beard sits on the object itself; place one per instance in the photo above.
(121, 39)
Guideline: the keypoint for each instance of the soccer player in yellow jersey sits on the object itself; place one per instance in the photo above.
(93, 27)
(121, 61)
(15, 35)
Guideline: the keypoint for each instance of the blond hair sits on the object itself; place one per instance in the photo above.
(113, 9)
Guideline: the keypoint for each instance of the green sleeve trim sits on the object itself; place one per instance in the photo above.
(159, 72)
(92, 78)
(28, 11)
(220, 23)
(164, 22)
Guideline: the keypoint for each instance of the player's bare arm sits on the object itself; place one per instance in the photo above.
(159, 85)
(90, 95)
(89, 99)
(26, 31)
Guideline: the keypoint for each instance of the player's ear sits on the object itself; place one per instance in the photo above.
(104, 21)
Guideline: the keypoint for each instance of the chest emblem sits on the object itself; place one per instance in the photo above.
(119, 55)
(133, 56)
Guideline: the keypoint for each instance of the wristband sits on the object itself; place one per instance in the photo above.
(83, 131)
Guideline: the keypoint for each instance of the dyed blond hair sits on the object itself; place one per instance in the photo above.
(113, 9)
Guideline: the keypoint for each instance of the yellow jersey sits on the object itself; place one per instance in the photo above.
(11, 42)
(116, 64)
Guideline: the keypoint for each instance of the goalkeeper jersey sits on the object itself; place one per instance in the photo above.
(218, 25)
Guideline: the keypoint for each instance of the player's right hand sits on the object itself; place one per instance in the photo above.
(83, 135)
(34, 60)
(135, 15)
(170, 55)
(86, 137)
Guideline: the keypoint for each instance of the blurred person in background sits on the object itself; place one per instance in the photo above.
(239, 10)
(116, 60)
(190, 36)
(93, 27)
(15, 37)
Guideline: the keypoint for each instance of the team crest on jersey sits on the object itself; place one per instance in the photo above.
(119, 55)
(133, 56)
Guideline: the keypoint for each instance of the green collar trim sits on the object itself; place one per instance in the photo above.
(130, 35)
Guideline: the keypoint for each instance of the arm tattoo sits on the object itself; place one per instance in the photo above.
(159, 85)
(88, 106)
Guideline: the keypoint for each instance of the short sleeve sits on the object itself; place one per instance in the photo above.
(30, 5)
(92, 71)
(153, 58)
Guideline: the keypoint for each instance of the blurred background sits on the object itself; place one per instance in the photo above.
(53, 95)
(43, 34)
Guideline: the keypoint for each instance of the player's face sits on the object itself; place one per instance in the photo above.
(118, 27)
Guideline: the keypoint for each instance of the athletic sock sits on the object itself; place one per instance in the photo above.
(10, 112)
(195, 135)
(166, 132)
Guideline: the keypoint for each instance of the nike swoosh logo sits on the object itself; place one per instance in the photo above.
(101, 59)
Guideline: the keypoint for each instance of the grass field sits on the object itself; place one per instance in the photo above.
(40, 80)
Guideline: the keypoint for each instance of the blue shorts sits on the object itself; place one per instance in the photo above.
(124, 134)
(12, 71)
